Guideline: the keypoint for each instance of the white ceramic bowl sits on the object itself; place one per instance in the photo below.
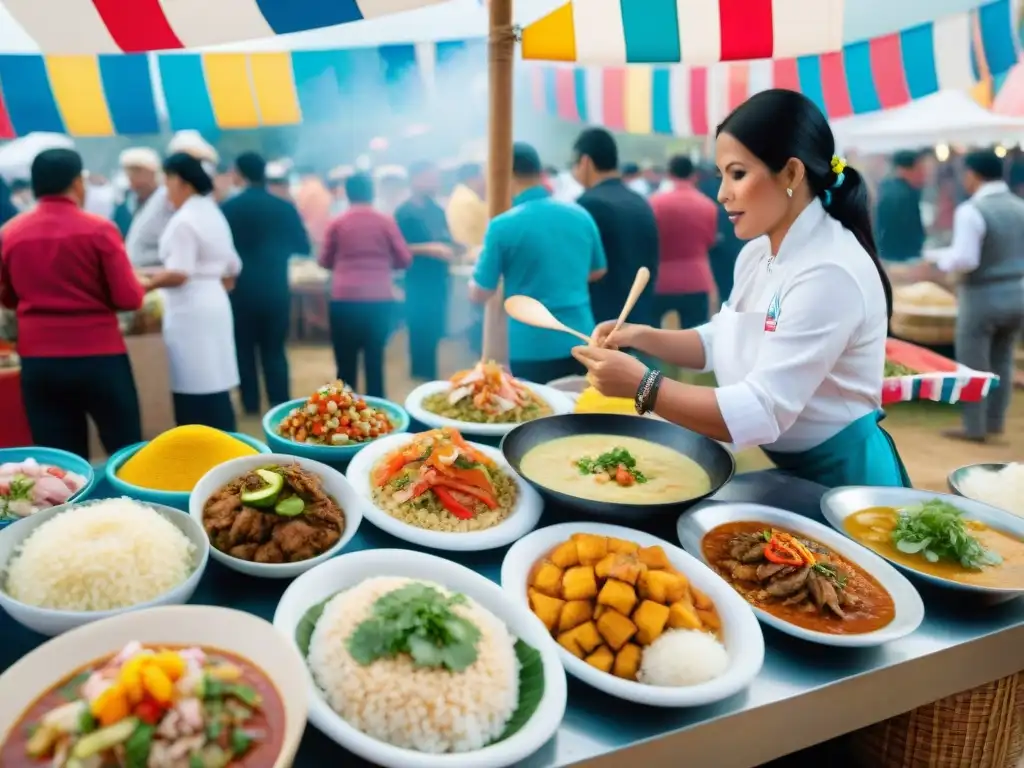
(334, 484)
(225, 629)
(839, 503)
(695, 524)
(349, 570)
(559, 403)
(51, 622)
(523, 519)
(741, 632)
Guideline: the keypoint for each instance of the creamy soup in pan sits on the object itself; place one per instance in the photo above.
(622, 470)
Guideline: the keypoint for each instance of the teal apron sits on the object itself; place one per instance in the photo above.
(860, 454)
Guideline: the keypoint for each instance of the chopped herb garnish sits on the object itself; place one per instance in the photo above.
(418, 620)
(400, 482)
(240, 742)
(831, 573)
(196, 761)
(138, 745)
(244, 694)
(936, 530)
(214, 729)
(609, 462)
(86, 721)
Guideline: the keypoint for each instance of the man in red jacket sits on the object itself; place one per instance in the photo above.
(66, 273)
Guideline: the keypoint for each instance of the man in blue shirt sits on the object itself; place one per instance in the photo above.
(550, 251)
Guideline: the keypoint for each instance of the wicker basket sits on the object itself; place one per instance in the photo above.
(980, 728)
(928, 329)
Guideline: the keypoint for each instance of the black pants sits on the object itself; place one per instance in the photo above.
(691, 307)
(543, 371)
(426, 303)
(214, 410)
(261, 332)
(60, 392)
(361, 326)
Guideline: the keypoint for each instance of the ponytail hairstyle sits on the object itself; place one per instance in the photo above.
(778, 125)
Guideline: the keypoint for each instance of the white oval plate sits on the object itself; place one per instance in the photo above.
(742, 634)
(839, 503)
(522, 520)
(696, 523)
(558, 402)
(226, 629)
(334, 484)
(347, 571)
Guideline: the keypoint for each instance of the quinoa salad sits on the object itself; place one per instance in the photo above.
(334, 415)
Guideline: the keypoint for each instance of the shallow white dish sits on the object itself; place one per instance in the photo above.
(51, 622)
(839, 503)
(349, 570)
(559, 403)
(742, 634)
(522, 520)
(334, 484)
(695, 524)
(225, 629)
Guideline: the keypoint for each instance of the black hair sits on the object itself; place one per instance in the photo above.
(906, 158)
(778, 125)
(468, 172)
(525, 160)
(985, 163)
(630, 169)
(190, 170)
(252, 167)
(54, 171)
(359, 188)
(599, 145)
(680, 167)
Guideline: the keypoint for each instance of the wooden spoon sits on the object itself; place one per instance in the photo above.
(528, 310)
(643, 275)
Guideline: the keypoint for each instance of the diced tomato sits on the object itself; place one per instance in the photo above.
(149, 712)
(56, 472)
(318, 428)
(623, 477)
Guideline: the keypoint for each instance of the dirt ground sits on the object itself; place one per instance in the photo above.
(916, 427)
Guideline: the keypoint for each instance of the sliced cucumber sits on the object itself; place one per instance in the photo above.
(265, 495)
(104, 738)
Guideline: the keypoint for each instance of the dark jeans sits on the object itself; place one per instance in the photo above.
(60, 392)
(691, 307)
(426, 304)
(214, 410)
(361, 326)
(261, 330)
(543, 371)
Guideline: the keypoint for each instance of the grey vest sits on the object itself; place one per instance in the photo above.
(1002, 250)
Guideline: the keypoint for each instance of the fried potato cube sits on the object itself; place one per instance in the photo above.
(565, 555)
(615, 628)
(591, 548)
(598, 610)
(701, 601)
(547, 609)
(650, 619)
(618, 595)
(710, 619)
(662, 587)
(548, 579)
(682, 615)
(602, 659)
(579, 583)
(627, 662)
(574, 613)
(626, 568)
(585, 636)
(621, 546)
(654, 558)
(568, 641)
(604, 566)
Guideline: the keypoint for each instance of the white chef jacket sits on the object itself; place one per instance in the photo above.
(148, 224)
(964, 253)
(198, 326)
(799, 348)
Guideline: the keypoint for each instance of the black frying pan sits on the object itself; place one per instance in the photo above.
(712, 457)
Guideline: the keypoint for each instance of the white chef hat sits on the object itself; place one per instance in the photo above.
(192, 143)
(276, 172)
(140, 157)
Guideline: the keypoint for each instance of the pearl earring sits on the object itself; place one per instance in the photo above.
(789, 192)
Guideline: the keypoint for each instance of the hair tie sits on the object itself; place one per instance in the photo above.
(838, 166)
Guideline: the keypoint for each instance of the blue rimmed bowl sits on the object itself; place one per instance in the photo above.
(176, 499)
(332, 455)
(54, 457)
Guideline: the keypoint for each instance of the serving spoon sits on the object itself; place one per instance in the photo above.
(643, 275)
(529, 311)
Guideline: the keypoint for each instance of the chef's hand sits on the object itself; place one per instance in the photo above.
(623, 338)
(610, 372)
(229, 282)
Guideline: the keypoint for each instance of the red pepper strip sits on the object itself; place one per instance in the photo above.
(778, 552)
(450, 503)
(469, 490)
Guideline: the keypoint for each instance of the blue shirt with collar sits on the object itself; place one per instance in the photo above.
(545, 249)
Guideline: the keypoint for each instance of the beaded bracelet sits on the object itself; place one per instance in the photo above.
(647, 391)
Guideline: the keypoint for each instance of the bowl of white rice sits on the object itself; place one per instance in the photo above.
(76, 563)
(493, 709)
(998, 485)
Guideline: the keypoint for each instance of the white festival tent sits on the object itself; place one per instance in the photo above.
(947, 117)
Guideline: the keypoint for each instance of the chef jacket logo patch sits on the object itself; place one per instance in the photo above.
(771, 319)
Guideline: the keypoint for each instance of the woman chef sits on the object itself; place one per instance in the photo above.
(798, 350)
(199, 263)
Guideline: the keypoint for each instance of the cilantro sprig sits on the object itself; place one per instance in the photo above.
(609, 462)
(417, 620)
(936, 530)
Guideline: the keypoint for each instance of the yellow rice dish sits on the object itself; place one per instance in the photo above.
(177, 459)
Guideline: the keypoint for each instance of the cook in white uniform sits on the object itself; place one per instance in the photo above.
(799, 348)
(199, 262)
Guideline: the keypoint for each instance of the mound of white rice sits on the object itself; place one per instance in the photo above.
(683, 657)
(1003, 488)
(425, 709)
(100, 557)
